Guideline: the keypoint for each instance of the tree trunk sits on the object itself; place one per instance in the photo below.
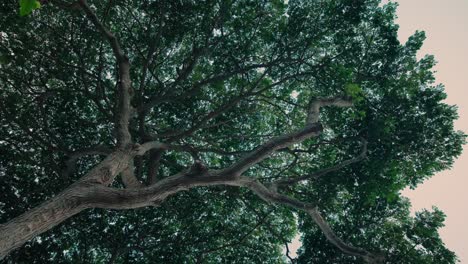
(69, 202)
(40, 219)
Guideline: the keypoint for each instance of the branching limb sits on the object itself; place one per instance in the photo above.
(312, 128)
(115, 45)
(91, 191)
(123, 109)
(66, 204)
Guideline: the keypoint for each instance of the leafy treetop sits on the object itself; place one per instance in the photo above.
(241, 121)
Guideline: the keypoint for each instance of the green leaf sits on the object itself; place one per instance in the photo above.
(354, 91)
(27, 6)
(4, 59)
(392, 196)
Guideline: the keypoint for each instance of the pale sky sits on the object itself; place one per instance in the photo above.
(446, 25)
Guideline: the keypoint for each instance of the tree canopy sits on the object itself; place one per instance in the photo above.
(213, 131)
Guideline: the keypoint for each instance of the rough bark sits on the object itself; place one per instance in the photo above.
(66, 204)
(38, 220)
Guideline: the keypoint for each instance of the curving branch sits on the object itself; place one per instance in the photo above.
(264, 151)
(272, 196)
(312, 128)
(316, 104)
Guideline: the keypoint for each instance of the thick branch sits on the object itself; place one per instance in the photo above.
(312, 128)
(129, 179)
(20, 229)
(99, 196)
(92, 191)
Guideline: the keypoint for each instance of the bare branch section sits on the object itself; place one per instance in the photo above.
(123, 109)
(128, 177)
(315, 105)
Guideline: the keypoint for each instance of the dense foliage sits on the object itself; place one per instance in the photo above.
(220, 78)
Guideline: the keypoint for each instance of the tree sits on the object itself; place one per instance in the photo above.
(135, 129)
